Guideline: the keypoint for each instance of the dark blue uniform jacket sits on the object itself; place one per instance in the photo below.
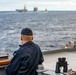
(25, 60)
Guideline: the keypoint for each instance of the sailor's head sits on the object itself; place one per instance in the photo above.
(26, 35)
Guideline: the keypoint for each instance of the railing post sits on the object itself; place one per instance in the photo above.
(40, 69)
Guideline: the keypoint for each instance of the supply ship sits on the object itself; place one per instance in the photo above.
(22, 10)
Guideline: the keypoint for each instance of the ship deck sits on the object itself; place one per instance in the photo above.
(50, 59)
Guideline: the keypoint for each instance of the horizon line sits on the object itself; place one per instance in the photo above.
(39, 10)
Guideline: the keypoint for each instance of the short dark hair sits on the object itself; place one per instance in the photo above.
(26, 31)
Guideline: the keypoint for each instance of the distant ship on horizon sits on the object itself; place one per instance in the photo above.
(22, 10)
(46, 10)
(35, 9)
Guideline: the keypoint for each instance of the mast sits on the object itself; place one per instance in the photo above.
(24, 7)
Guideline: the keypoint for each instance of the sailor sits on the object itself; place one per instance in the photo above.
(70, 44)
(27, 58)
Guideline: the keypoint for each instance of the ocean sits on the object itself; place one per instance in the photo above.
(52, 30)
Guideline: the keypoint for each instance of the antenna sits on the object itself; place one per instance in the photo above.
(25, 6)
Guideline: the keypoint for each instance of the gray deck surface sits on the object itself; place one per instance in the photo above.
(51, 59)
(2, 71)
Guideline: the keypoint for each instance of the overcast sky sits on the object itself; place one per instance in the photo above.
(41, 4)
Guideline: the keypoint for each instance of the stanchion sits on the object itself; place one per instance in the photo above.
(40, 69)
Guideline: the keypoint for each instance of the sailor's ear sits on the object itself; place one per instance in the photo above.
(21, 38)
(32, 37)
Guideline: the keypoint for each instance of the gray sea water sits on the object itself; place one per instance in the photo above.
(51, 30)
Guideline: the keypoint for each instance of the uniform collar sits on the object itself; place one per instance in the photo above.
(25, 44)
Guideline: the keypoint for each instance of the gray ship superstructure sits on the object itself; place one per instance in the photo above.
(35, 9)
(22, 10)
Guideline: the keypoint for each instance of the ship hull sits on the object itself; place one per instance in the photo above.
(21, 10)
